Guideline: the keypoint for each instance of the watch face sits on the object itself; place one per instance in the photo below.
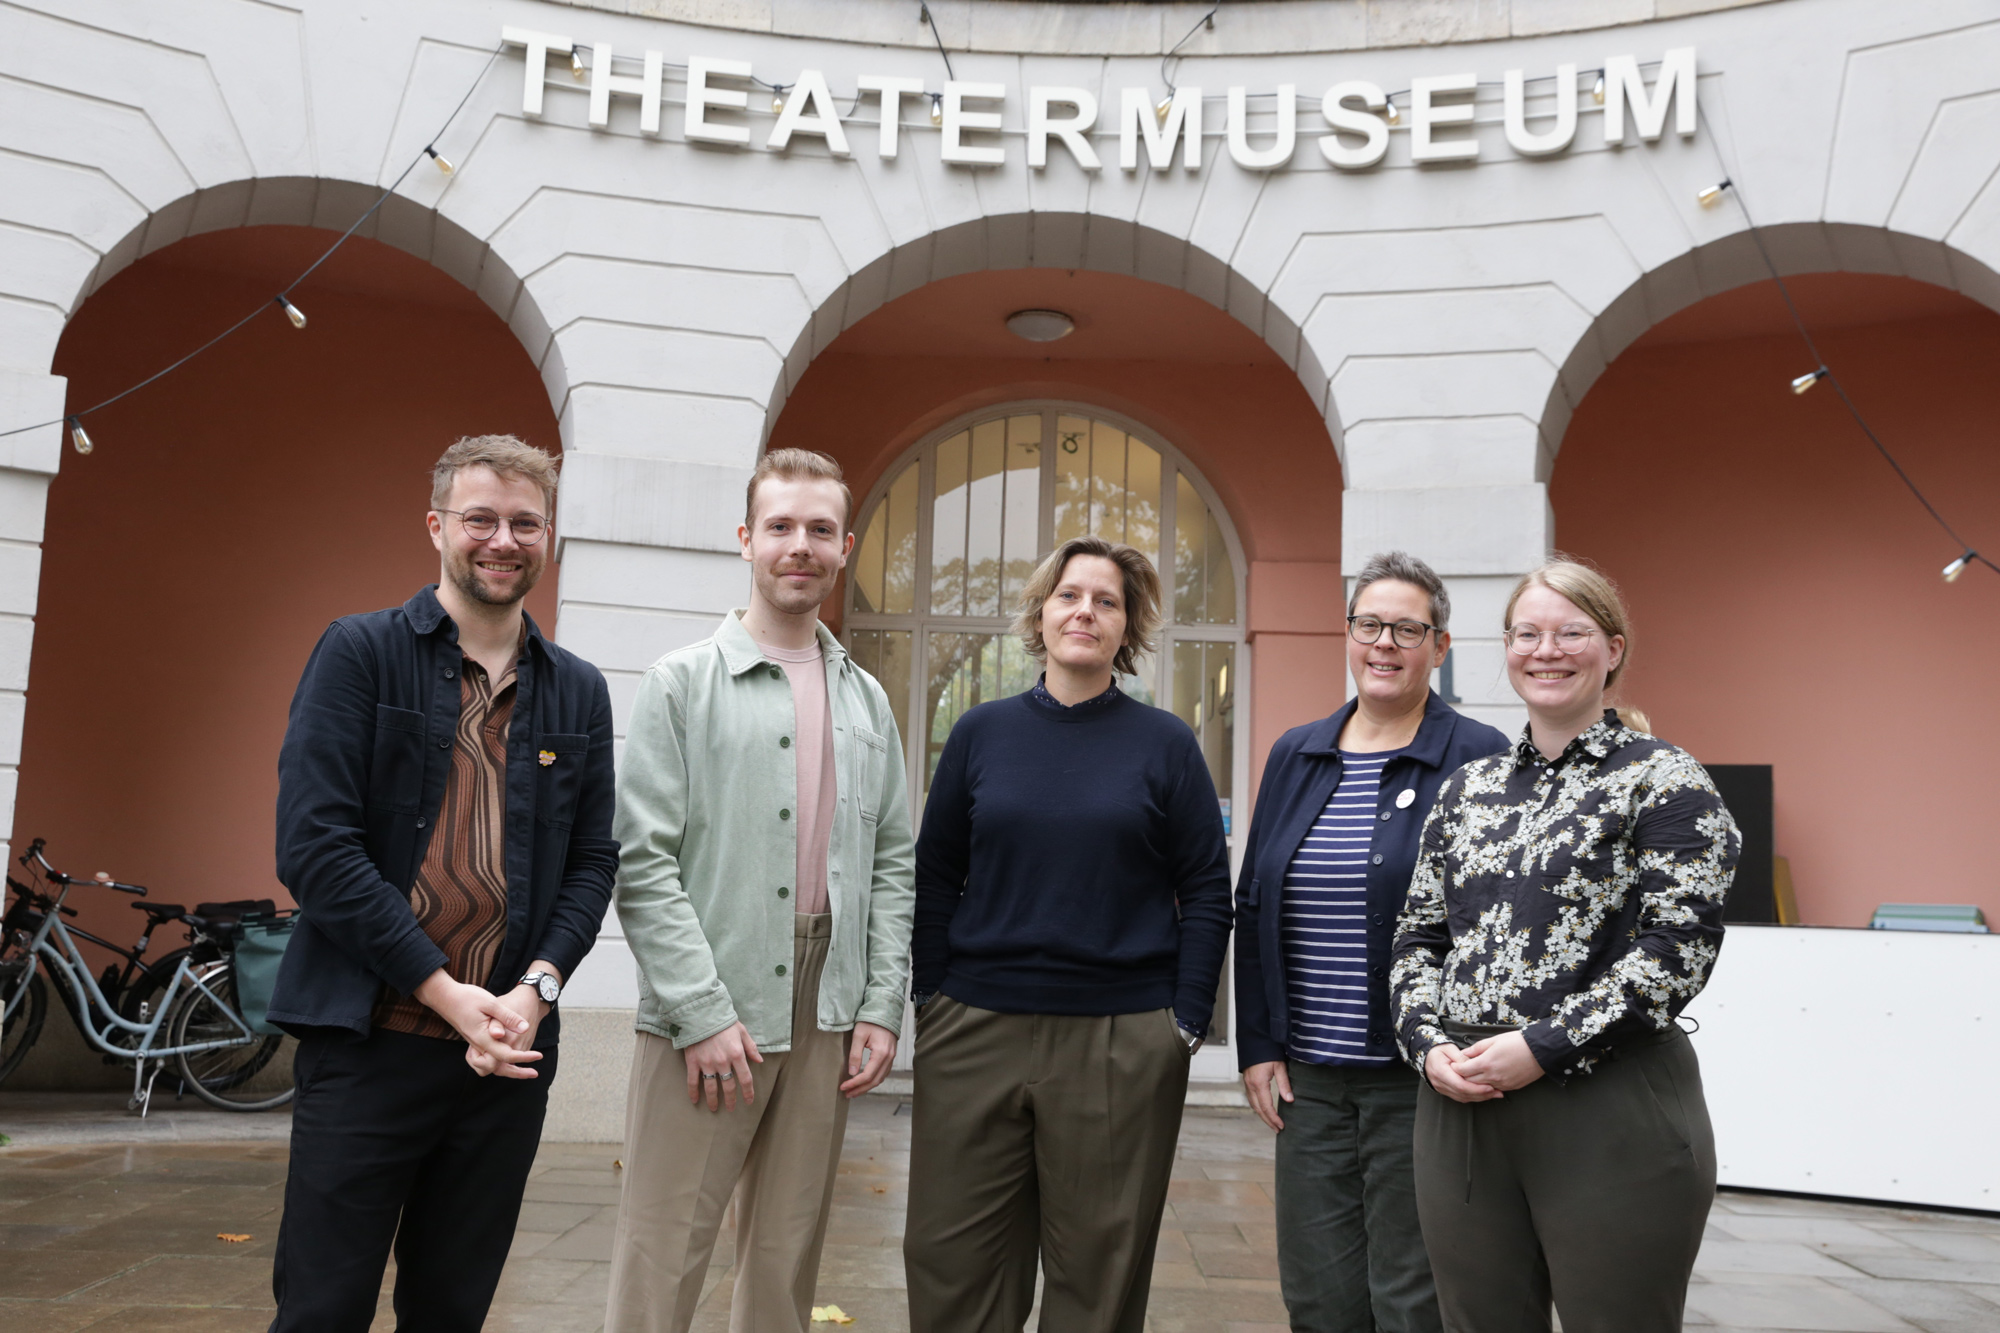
(549, 989)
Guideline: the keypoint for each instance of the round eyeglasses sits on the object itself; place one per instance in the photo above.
(1405, 633)
(481, 524)
(1523, 640)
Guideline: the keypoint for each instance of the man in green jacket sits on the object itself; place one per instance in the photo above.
(765, 890)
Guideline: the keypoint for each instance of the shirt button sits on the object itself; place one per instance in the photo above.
(786, 814)
(1377, 858)
(784, 742)
(1377, 918)
(1385, 816)
(420, 821)
(781, 969)
(784, 892)
(444, 744)
(1510, 874)
(449, 673)
(777, 673)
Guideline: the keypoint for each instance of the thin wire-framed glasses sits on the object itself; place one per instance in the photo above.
(1405, 633)
(1523, 640)
(481, 524)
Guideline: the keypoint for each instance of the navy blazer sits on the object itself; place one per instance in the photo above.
(1299, 779)
(361, 780)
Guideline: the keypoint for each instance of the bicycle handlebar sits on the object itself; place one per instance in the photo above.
(54, 876)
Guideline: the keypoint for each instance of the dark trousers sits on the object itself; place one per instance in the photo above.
(395, 1138)
(1350, 1250)
(1039, 1134)
(1594, 1193)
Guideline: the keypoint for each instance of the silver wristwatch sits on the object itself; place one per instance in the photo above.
(545, 985)
(1190, 1036)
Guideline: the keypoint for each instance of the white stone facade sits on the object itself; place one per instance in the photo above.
(1447, 317)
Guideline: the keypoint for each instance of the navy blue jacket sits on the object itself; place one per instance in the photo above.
(1299, 779)
(361, 780)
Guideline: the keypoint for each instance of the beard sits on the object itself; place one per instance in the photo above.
(465, 577)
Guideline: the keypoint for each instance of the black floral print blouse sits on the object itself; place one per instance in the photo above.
(1579, 900)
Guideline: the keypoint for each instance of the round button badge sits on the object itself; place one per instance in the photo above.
(1406, 798)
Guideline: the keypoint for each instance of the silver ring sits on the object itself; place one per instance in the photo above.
(725, 1076)
(711, 1076)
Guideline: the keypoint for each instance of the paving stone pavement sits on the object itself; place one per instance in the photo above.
(107, 1236)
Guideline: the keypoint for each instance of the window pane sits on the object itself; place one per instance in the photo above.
(1220, 595)
(885, 655)
(1072, 478)
(867, 562)
(899, 545)
(1205, 699)
(1021, 527)
(964, 671)
(1107, 482)
(948, 527)
(1190, 549)
(1142, 485)
(983, 516)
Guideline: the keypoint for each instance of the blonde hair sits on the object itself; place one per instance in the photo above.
(1597, 597)
(796, 465)
(507, 455)
(1142, 598)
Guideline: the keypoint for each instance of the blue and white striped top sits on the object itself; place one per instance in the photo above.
(1323, 923)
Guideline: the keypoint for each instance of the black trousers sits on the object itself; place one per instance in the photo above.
(396, 1139)
(1351, 1255)
(1593, 1193)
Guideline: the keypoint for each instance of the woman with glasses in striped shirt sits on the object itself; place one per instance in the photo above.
(1327, 865)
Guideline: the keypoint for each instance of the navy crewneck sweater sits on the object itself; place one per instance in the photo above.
(1057, 845)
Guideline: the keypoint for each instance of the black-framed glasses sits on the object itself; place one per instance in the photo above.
(481, 524)
(1405, 633)
(1523, 640)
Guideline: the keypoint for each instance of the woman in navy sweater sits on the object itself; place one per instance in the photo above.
(1331, 851)
(1072, 911)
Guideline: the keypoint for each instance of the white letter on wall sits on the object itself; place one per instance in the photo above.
(1137, 117)
(957, 120)
(1623, 83)
(1277, 154)
(603, 83)
(1423, 116)
(539, 45)
(1373, 129)
(892, 91)
(1528, 144)
(809, 110)
(700, 97)
(1070, 129)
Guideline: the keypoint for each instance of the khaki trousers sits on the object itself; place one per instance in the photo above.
(682, 1162)
(1039, 1134)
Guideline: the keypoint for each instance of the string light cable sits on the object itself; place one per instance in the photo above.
(80, 438)
(1708, 197)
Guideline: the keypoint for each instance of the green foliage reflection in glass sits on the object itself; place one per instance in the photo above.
(964, 671)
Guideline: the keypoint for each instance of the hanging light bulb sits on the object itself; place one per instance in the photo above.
(577, 70)
(778, 100)
(1806, 381)
(1389, 111)
(937, 108)
(1597, 89)
(1708, 194)
(443, 162)
(1162, 107)
(1951, 571)
(80, 437)
(292, 312)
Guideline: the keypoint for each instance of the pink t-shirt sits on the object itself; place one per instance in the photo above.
(812, 743)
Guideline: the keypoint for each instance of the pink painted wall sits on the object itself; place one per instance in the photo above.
(228, 514)
(1785, 587)
(1171, 361)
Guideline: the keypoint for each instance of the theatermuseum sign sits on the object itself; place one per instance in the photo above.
(969, 115)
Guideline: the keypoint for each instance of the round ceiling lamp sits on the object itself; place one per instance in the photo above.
(1040, 326)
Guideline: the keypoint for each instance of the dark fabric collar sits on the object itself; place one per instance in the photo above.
(1040, 694)
(1428, 747)
(427, 614)
(1599, 739)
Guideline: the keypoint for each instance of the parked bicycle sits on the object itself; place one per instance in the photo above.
(180, 1012)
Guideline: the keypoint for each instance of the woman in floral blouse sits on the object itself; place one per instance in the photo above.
(1566, 906)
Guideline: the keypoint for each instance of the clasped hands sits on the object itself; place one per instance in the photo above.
(1484, 1071)
(499, 1030)
(719, 1066)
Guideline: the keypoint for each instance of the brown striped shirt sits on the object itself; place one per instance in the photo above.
(460, 896)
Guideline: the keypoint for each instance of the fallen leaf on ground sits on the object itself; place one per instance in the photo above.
(831, 1314)
(233, 1237)
(618, 1164)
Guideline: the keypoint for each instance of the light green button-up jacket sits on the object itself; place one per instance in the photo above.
(710, 845)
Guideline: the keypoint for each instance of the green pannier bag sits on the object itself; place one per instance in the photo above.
(259, 950)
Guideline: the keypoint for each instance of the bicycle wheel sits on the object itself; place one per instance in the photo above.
(24, 1024)
(252, 1074)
